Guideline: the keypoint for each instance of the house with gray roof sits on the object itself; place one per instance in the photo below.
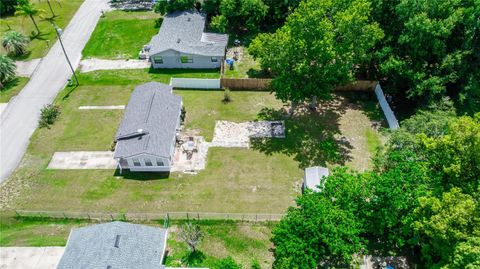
(115, 245)
(146, 138)
(182, 43)
(315, 178)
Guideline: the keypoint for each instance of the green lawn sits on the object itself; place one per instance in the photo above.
(245, 67)
(64, 9)
(256, 182)
(243, 241)
(12, 88)
(121, 35)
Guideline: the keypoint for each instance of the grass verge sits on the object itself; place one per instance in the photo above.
(12, 88)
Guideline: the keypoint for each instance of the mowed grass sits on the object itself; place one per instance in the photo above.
(244, 67)
(235, 180)
(121, 35)
(39, 46)
(243, 241)
(12, 88)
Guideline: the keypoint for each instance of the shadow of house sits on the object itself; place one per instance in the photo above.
(312, 137)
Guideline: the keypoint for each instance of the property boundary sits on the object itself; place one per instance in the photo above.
(166, 216)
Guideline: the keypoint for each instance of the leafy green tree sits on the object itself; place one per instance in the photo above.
(227, 263)
(219, 24)
(279, 10)
(431, 48)
(211, 7)
(15, 43)
(321, 230)
(168, 6)
(467, 255)
(318, 48)
(243, 14)
(444, 222)
(7, 7)
(27, 9)
(7, 70)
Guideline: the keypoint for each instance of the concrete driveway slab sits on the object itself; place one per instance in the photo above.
(89, 65)
(83, 160)
(30, 257)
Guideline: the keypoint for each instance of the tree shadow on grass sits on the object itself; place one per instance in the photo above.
(141, 176)
(193, 258)
(312, 137)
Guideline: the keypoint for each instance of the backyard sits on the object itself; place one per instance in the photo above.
(242, 241)
(40, 44)
(121, 34)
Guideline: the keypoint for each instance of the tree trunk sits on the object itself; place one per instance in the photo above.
(313, 103)
(35, 23)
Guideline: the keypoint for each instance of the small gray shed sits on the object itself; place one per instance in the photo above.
(315, 178)
(115, 245)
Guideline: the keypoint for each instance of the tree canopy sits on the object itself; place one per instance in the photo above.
(317, 48)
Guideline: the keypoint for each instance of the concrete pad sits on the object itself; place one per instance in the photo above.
(231, 134)
(2, 107)
(26, 68)
(83, 160)
(183, 162)
(93, 64)
(30, 257)
(100, 107)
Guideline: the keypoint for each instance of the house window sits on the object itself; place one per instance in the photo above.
(157, 59)
(148, 162)
(160, 162)
(186, 59)
(214, 59)
(136, 162)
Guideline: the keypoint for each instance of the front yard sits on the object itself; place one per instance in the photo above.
(121, 35)
(12, 88)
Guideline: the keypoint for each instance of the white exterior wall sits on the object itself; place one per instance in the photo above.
(195, 83)
(171, 59)
(144, 168)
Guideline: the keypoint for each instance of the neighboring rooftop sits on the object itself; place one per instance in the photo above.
(183, 31)
(115, 245)
(150, 122)
(315, 177)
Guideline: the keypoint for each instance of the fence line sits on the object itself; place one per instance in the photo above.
(245, 83)
(195, 83)
(261, 217)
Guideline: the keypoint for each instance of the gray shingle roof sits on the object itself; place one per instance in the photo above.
(116, 244)
(314, 177)
(183, 31)
(150, 121)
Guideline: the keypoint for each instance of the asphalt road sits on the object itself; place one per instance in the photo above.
(20, 118)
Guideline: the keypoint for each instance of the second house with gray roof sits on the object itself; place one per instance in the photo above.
(182, 43)
(146, 138)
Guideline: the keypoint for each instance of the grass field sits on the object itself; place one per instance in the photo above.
(244, 242)
(121, 35)
(39, 46)
(12, 88)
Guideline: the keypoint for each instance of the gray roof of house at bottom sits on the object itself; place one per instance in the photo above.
(115, 245)
(183, 31)
(150, 123)
(315, 177)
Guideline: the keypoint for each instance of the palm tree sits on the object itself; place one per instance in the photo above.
(16, 43)
(27, 9)
(7, 69)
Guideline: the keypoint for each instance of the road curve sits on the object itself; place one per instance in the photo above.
(19, 120)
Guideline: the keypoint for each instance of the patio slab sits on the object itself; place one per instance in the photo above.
(83, 160)
(30, 257)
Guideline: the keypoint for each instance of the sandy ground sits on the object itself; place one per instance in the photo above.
(83, 160)
(230, 134)
(93, 64)
(30, 257)
(26, 68)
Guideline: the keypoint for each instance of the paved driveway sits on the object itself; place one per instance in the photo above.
(19, 120)
(30, 257)
(83, 160)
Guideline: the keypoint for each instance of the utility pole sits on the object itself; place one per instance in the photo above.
(58, 31)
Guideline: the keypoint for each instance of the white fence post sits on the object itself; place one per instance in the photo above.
(195, 83)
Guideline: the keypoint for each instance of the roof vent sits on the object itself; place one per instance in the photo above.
(117, 241)
(178, 40)
(140, 131)
(189, 19)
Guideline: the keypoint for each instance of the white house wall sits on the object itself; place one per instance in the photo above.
(144, 168)
(171, 59)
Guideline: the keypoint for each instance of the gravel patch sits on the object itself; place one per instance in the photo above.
(230, 134)
(93, 64)
(83, 160)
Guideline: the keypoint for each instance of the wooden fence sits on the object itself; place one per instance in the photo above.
(245, 83)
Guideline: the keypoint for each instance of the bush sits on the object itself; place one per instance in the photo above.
(219, 24)
(48, 115)
(256, 265)
(7, 70)
(227, 263)
(15, 43)
(226, 96)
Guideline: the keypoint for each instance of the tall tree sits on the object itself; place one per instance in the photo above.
(318, 48)
(168, 6)
(27, 9)
(243, 14)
